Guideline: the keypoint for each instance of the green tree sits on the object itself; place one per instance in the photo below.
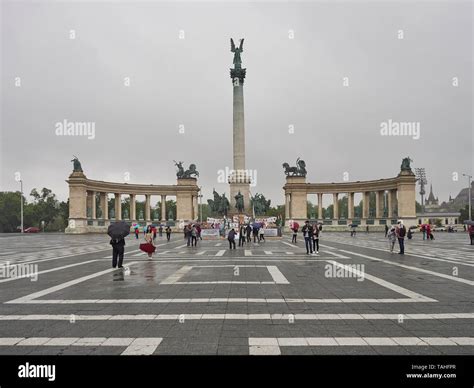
(9, 211)
(45, 207)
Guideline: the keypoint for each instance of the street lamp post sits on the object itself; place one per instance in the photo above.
(421, 178)
(469, 177)
(200, 204)
(21, 204)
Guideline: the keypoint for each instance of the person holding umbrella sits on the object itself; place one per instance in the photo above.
(117, 232)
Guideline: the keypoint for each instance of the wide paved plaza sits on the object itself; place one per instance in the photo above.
(355, 297)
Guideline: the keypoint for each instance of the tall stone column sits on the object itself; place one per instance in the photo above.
(392, 203)
(104, 205)
(365, 204)
(379, 204)
(133, 207)
(239, 180)
(163, 208)
(335, 205)
(350, 206)
(320, 206)
(118, 207)
(287, 206)
(94, 208)
(147, 207)
(196, 207)
(89, 204)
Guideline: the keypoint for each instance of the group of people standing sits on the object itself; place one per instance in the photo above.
(311, 235)
(244, 235)
(395, 233)
(192, 232)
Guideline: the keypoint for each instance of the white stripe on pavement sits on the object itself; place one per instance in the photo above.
(242, 317)
(217, 300)
(441, 275)
(46, 271)
(31, 297)
(381, 282)
(220, 253)
(173, 278)
(134, 346)
(271, 346)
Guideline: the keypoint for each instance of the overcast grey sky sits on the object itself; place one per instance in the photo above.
(290, 82)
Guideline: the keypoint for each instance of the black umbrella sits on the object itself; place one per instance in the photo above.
(467, 222)
(118, 230)
(353, 225)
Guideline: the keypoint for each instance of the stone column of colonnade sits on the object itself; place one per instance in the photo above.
(379, 204)
(147, 208)
(133, 207)
(365, 204)
(287, 206)
(163, 208)
(320, 206)
(350, 206)
(391, 202)
(89, 204)
(104, 206)
(118, 206)
(335, 204)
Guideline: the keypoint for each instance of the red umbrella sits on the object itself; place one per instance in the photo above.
(295, 225)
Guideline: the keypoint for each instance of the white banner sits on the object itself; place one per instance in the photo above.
(209, 233)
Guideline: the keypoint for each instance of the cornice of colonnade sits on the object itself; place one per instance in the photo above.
(299, 185)
(183, 186)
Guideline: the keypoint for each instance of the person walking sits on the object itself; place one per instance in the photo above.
(118, 250)
(392, 237)
(295, 233)
(307, 231)
(428, 232)
(194, 234)
(248, 232)
(386, 230)
(423, 230)
(160, 230)
(261, 234)
(316, 239)
(231, 238)
(198, 228)
(188, 234)
(136, 233)
(255, 233)
(242, 236)
(401, 232)
(153, 229)
(470, 230)
(149, 239)
(168, 233)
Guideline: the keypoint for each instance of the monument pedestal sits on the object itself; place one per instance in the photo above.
(186, 200)
(244, 189)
